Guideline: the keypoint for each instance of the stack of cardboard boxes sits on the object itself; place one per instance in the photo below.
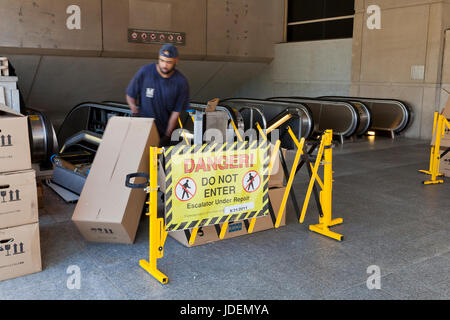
(9, 93)
(20, 252)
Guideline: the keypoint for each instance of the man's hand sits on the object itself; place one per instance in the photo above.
(132, 104)
(172, 123)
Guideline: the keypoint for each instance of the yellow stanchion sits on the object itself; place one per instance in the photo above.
(298, 154)
(157, 233)
(184, 134)
(439, 125)
(325, 221)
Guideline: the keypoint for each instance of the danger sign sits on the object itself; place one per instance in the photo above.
(215, 183)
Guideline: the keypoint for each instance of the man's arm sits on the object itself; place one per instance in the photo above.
(172, 123)
(132, 104)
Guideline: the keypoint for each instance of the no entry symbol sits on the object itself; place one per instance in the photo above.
(251, 181)
(185, 189)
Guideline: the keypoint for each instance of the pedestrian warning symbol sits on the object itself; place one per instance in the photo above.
(216, 183)
(251, 181)
(185, 189)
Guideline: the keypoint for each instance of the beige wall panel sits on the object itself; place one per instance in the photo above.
(244, 29)
(392, 4)
(358, 25)
(412, 95)
(310, 61)
(435, 43)
(231, 76)
(389, 53)
(429, 107)
(446, 64)
(169, 15)
(359, 5)
(40, 26)
(354, 90)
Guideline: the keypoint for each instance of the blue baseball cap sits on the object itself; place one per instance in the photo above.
(169, 51)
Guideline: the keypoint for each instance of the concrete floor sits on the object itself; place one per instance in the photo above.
(391, 220)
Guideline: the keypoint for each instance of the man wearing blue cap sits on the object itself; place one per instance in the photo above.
(162, 90)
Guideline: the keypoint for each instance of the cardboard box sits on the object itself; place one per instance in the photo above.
(20, 251)
(216, 123)
(444, 164)
(40, 195)
(209, 234)
(277, 178)
(446, 111)
(14, 141)
(18, 198)
(107, 210)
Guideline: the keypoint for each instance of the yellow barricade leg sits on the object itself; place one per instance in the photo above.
(157, 233)
(298, 154)
(326, 194)
(435, 156)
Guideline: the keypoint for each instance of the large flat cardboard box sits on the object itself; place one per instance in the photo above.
(444, 165)
(20, 251)
(277, 179)
(216, 126)
(209, 234)
(446, 111)
(445, 140)
(18, 198)
(14, 141)
(107, 210)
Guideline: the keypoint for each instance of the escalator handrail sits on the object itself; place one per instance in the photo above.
(354, 125)
(405, 108)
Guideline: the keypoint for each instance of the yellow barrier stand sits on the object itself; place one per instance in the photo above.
(325, 221)
(439, 125)
(157, 233)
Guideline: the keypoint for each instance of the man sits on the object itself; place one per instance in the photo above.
(162, 90)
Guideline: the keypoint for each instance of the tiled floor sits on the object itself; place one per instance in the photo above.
(391, 220)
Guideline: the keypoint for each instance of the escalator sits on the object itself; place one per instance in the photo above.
(393, 116)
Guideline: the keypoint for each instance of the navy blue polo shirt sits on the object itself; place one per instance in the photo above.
(159, 96)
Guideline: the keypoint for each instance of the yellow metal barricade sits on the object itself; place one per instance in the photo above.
(157, 228)
(157, 233)
(440, 123)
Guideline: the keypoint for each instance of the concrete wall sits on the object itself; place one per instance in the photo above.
(238, 30)
(411, 34)
(310, 69)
